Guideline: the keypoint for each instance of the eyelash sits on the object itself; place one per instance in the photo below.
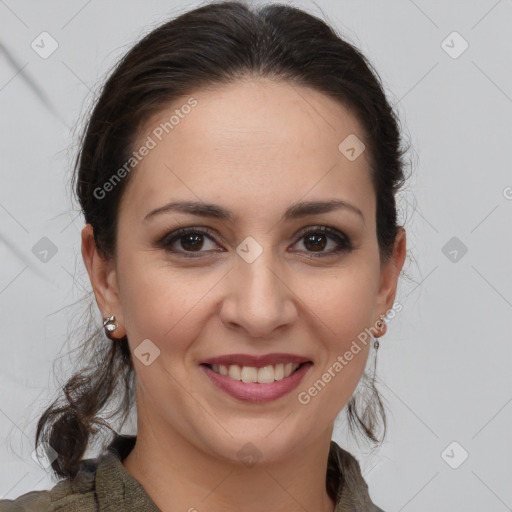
(344, 243)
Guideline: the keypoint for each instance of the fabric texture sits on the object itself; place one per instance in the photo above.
(104, 485)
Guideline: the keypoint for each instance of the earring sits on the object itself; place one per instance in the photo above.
(382, 319)
(110, 323)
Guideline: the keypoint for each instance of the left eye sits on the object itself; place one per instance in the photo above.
(317, 239)
(192, 241)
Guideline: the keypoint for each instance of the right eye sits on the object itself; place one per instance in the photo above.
(190, 239)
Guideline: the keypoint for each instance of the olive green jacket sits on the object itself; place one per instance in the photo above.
(104, 485)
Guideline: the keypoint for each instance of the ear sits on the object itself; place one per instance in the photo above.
(390, 271)
(103, 277)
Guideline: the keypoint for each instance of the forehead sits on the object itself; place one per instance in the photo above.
(254, 142)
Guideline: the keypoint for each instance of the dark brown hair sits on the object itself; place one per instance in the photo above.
(213, 44)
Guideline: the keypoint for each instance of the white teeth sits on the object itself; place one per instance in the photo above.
(249, 374)
(234, 372)
(264, 375)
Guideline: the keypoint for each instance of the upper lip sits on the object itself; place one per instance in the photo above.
(255, 361)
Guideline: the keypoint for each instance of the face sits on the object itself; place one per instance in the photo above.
(258, 282)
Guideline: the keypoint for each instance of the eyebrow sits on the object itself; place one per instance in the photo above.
(295, 211)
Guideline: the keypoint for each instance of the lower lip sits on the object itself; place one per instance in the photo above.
(253, 391)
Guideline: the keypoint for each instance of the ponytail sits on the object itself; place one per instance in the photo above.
(72, 420)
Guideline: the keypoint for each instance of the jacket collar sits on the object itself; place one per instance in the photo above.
(344, 475)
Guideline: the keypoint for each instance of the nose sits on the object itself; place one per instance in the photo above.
(257, 300)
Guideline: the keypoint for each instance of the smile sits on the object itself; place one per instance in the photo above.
(264, 375)
(243, 383)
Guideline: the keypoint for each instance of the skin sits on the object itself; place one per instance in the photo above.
(254, 147)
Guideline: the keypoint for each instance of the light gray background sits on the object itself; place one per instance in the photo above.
(445, 362)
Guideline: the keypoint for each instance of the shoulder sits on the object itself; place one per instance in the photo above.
(66, 495)
(100, 484)
(347, 482)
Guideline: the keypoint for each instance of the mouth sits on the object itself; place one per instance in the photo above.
(256, 385)
(260, 375)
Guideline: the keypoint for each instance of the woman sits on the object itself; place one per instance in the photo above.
(238, 177)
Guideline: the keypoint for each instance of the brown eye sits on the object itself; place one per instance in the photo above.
(192, 241)
(317, 239)
(187, 241)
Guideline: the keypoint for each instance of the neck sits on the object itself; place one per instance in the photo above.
(178, 476)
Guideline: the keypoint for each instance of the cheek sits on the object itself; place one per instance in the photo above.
(344, 310)
(161, 302)
(342, 301)
(341, 305)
